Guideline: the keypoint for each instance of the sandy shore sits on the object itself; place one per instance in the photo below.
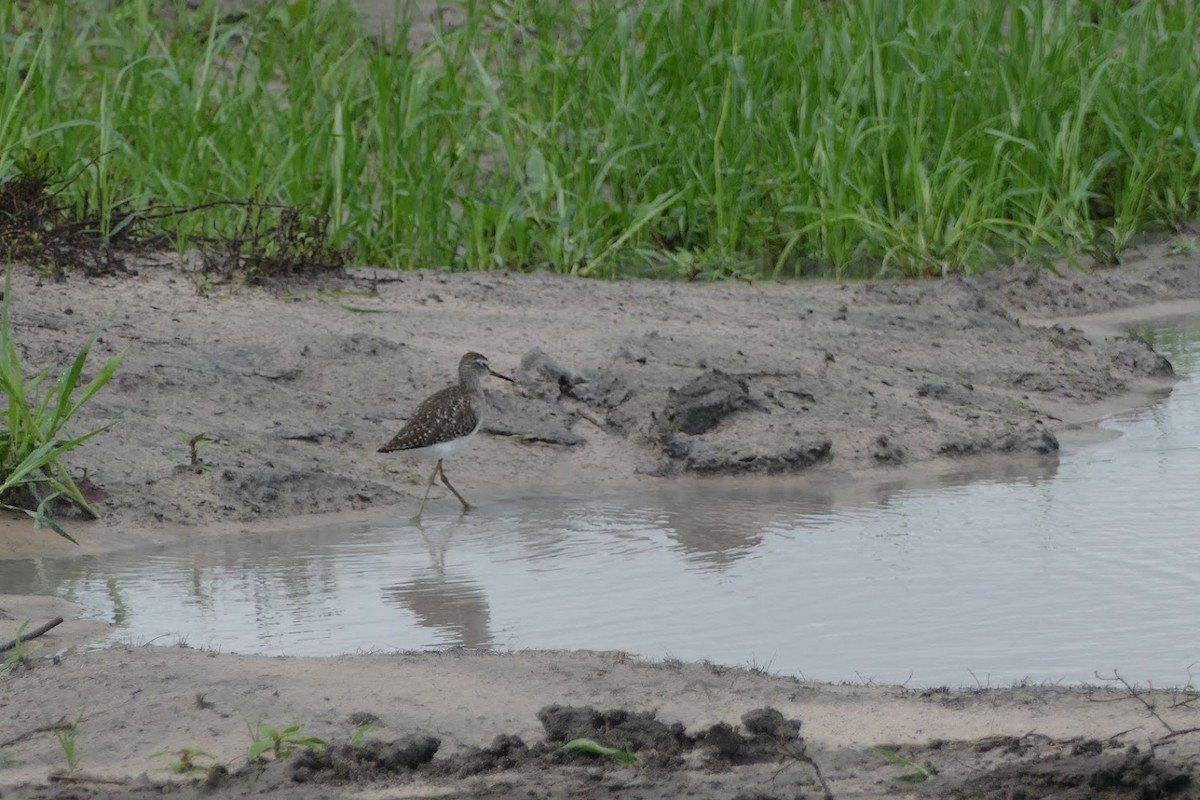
(619, 384)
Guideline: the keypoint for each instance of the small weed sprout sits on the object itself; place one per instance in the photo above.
(186, 760)
(17, 657)
(359, 738)
(67, 737)
(279, 742)
(1182, 246)
(212, 776)
(195, 443)
(918, 773)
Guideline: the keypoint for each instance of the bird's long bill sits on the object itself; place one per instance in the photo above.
(501, 377)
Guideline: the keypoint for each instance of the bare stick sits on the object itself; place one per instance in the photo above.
(33, 634)
(1182, 732)
(81, 777)
(798, 754)
(589, 417)
(1133, 692)
(61, 725)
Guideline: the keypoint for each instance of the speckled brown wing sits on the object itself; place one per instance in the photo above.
(443, 416)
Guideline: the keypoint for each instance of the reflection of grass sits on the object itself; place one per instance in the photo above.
(120, 608)
(32, 443)
(675, 137)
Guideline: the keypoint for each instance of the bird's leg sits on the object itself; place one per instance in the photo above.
(429, 485)
(466, 506)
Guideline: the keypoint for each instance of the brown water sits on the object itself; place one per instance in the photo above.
(1051, 570)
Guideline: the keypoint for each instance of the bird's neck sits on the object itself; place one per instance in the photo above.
(471, 382)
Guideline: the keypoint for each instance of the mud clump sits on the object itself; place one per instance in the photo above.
(765, 735)
(1084, 776)
(347, 762)
(635, 731)
(696, 433)
(1031, 438)
(1134, 355)
(769, 723)
(701, 404)
(541, 375)
(505, 753)
(886, 451)
(768, 736)
(785, 451)
(958, 394)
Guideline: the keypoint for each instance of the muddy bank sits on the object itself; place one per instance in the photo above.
(617, 382)
(469, 725)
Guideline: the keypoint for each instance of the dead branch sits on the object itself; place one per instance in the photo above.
(33, 634)
(61, 725)
(82, 777)
(1180, 732)
(1133, 692)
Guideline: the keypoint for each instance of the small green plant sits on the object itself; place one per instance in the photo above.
(185, 762)
(67, 736)
(31, 442)
(203, 703)
(17, 657)
(360, 734)
(14, 660)
(195, 443)
(1181, 246)
(918, 774)
(279, 742)
(590, 747)
(212, 776)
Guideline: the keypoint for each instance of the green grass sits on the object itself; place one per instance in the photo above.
(590, 747)
(35, 414)
(663, 137)
(279, 742)
(188, 760)
(67, 736)
(17, 657)
(918, 773)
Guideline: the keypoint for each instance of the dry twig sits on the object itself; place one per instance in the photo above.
(33, 634)
(1140, 696)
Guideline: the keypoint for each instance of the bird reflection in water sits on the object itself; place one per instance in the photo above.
(453, 607)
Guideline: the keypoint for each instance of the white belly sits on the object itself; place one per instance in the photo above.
(445, 449)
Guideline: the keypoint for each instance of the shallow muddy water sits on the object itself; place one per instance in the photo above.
(1051, 570)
